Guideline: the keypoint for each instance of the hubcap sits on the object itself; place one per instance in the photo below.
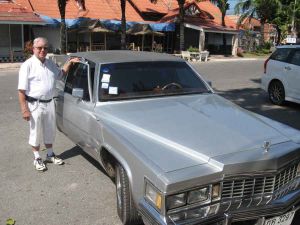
(276, 93)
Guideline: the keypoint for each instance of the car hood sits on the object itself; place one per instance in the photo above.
(183, 131)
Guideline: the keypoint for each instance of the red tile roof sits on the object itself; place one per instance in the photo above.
(11, 12)
(210, 16)
(96, 9)
(216, 13)
(146, 6)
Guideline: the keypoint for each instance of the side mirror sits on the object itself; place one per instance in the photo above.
(77, 92)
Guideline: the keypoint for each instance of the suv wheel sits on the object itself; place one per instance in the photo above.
(276, 93)
(125, 206)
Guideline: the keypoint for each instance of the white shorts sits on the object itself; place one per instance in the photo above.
(42, 120)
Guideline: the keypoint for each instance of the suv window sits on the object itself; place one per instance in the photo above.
(296, 57)
(281, 54)
(78, 78)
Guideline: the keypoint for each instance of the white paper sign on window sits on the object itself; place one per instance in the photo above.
(105, 78)
(113, 90)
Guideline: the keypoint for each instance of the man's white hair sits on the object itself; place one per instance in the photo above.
(40, 39)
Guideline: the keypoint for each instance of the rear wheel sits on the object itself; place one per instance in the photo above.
(276, 93)
(125, 205)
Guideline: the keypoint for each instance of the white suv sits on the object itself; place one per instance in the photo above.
(281, 77)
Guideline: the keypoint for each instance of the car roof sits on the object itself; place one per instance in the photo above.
(116, 56)
(288, 46)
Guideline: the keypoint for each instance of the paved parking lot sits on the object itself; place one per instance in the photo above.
(79, 192)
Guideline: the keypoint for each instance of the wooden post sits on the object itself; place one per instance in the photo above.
(90, 41)
(104, 41)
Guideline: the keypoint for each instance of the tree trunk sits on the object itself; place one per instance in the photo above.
(278, 35)
(224, 35)
(181, 24)
(262, 33)
(63, 36)
(62, 10)
(123, 25)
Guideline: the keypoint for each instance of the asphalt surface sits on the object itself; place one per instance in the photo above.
(79, 192)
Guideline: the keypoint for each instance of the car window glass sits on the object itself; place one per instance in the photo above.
(281, 54)
(70, 78)
(148, 79)
(296, 58)
(79, 79)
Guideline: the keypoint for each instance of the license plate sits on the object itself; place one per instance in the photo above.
(285, 219)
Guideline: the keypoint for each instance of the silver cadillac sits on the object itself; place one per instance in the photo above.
(178, 152)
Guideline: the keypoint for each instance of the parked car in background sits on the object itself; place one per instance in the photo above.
(281, 78)
(178, 152)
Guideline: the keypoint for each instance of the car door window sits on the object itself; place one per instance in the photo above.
(296, 58)
(78, 78)
(281, 54)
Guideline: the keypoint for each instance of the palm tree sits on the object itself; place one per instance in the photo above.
(123, 24)
(62, 10)
(223, 5)
(264, 10)
(181, 22)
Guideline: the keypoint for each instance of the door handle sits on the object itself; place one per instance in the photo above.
(95, 117)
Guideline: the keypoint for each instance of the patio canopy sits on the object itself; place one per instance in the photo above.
(143, 29)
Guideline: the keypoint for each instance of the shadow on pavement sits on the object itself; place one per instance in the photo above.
(75, 151)
(256, 100)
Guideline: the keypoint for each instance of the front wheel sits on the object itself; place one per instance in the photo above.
(276, 93)
(125, 205)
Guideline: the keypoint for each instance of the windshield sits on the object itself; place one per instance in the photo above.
(148, 79)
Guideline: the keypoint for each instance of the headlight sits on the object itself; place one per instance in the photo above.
(175, 201)
(153, 195)
(199, 195)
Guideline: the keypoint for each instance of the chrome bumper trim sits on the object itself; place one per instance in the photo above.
(278, 207)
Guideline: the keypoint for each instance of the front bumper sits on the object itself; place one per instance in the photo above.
(277, 207)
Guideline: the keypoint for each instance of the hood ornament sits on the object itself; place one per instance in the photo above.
(266, 146)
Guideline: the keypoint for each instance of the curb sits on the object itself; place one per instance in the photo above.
(233, 59)
(8, 66)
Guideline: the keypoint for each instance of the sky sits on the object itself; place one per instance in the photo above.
(232, 4)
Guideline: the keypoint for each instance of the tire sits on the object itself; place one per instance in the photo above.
(276, 93)
(125, 205)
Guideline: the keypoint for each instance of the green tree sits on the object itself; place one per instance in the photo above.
(123, 24)
(264, 10)
(62, 10)
(223, 5)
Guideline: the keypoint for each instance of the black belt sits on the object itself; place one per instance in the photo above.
(31, 99)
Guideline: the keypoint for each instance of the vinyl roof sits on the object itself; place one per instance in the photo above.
(118, 56)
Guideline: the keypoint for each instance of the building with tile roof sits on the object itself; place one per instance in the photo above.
(15, 19)
(203, 27)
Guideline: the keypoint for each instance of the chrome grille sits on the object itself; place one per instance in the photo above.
(259, 185)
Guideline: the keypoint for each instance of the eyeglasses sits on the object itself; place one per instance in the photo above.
(40, 48)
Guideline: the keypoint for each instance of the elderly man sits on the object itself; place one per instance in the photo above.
(37, 77)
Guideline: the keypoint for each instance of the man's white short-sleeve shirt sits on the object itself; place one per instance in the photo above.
(37, 78)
